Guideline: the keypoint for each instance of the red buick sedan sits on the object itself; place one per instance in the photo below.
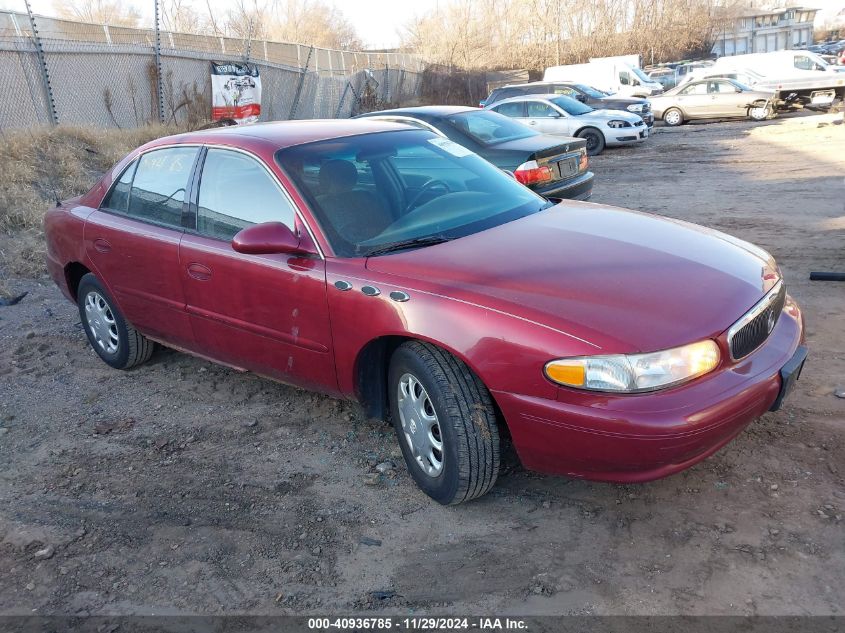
(379, 262)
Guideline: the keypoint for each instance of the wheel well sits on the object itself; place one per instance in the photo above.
(371, 374)
(371, 368)
(589, 127)
(673, 108)
(74, 272)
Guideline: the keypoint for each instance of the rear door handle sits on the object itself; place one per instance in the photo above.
(102, 245)
(198, 271)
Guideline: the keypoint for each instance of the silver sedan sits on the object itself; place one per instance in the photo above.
(561, 115)
(713, 99)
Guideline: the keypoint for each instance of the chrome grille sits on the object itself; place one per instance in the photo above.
(754, 327)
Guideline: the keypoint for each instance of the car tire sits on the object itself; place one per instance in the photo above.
(436, 400)
(757, 113)
(595, 140)
(673, 117)
(115, 341)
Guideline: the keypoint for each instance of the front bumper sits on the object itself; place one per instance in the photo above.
(626, 135)
(636, 438)
(578, 188)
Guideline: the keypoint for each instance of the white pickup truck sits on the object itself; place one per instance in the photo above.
(814, 89)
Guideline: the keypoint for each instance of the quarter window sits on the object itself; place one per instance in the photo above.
(237, 192)
(158, 187)
(118, 198)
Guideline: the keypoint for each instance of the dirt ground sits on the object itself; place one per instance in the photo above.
(184, 487)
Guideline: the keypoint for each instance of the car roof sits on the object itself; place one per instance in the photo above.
(531, 97)
(539, 83)
(434, 110)
(283, 134)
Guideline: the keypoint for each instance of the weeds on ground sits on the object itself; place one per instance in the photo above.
(39, 166)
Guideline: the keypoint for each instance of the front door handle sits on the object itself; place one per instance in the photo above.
(102, 245)
(199, 271)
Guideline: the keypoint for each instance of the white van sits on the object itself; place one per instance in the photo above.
(787, 63)
(611, 75)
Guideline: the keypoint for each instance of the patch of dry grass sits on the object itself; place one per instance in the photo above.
(39, 165)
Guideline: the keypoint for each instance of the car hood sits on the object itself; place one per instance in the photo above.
(603, 114)
(618, 103)
(621, 280)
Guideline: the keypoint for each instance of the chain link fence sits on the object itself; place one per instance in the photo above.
(106, 76)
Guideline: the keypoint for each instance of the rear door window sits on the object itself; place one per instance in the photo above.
(538, 110)
(158, 187)
(514, 109)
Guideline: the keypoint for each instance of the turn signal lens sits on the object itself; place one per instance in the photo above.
(632, 373)
(566, 374)
(583, 162)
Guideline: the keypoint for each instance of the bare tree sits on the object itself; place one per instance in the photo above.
(112, 12)
(535, 34)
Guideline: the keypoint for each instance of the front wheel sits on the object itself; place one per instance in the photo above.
(760, 112)
(115, 341)
(673, 117)
(595, 141)
(445, 422)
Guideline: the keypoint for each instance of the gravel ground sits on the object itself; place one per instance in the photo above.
(184, 487)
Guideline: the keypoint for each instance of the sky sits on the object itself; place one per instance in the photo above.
(378, 22)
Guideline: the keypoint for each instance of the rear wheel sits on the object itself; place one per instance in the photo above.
(673, 117)
(445, 422)
(115, 341)
(595, 140)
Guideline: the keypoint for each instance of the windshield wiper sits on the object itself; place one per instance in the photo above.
(428, 240)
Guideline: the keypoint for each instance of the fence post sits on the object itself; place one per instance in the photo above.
(45, 74)
(302, 74)
(342, 99)
(386, 82)
(248, 50)
(159, 82)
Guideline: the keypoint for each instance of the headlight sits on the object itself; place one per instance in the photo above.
(636, 107)
(632, 373)
(616, 124)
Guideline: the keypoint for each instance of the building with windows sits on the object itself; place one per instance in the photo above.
(758, 30)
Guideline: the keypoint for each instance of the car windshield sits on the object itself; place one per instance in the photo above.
(490, 128)
(593, 92)
(374, 192)
(571, 106)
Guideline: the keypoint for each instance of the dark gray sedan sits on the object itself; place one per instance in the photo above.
(553, 166)
(713, 99)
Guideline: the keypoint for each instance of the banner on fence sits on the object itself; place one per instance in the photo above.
(235, 92)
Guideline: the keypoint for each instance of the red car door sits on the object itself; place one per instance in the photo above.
(133, 242)
(265, 313)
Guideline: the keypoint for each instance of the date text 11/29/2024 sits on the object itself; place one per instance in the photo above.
(417, 624)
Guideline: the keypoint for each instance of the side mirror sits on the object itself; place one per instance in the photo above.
(266, 238)
(581, 98)
(738, 89)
